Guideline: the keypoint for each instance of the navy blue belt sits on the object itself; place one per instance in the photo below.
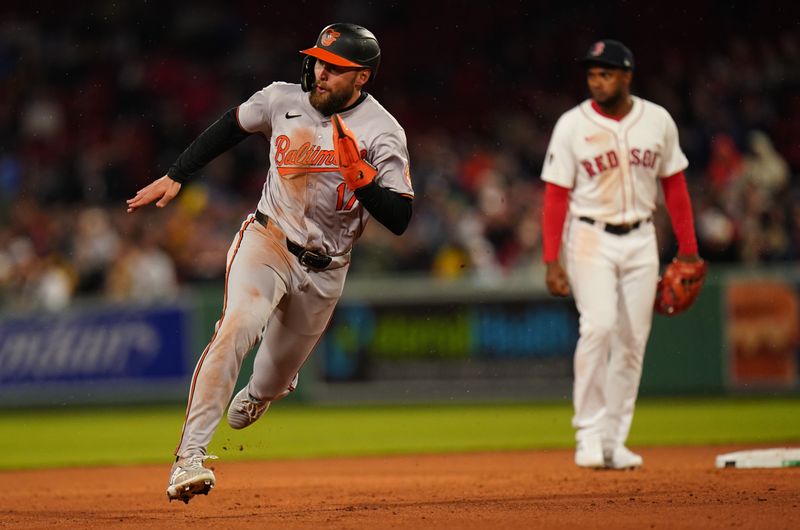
(617, 230)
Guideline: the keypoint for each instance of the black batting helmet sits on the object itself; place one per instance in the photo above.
(343, 45)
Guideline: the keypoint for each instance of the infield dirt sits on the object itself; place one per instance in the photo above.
(677, 488)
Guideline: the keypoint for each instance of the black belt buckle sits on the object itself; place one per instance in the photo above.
(312, 260)
(621, 230)
(627, 227)
(308, 258)
(617, 230)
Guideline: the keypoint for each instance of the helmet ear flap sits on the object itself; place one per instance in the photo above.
(307, 79)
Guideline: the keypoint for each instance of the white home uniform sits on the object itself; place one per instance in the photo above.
(610, 252)
(268, 292)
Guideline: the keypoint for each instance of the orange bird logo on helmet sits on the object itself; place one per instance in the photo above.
(329, 37)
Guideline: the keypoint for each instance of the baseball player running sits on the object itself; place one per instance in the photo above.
(337, 159)
(602, 165)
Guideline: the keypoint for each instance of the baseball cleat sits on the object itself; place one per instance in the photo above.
(589, 453)
(189, 478)
(622, 458)
(244, 409)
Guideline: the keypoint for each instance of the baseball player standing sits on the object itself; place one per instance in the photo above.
(287, 264)
(601, 170)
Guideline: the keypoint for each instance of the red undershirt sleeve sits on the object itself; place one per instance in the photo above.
(679, 206)
(554, 212)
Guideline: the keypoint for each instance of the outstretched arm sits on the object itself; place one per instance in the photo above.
(162, 190)
(218, 138)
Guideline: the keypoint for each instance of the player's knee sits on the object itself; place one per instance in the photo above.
(634, 357)
(243, 327)
(600, 329)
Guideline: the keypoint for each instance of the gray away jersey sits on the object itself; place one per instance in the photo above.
(304, 194)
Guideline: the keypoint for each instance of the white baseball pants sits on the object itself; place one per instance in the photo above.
(613, 279)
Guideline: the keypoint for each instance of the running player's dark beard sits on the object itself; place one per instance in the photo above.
(329, 102)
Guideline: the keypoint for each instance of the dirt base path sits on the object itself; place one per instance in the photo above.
(677, 488)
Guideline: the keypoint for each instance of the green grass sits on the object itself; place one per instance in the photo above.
(82, 437)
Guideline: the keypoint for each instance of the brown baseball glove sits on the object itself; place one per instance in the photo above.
(679, 286)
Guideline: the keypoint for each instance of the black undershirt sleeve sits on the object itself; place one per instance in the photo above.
(218, 138)
(390, 208)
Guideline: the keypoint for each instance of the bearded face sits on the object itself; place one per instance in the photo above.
(328, 100)
(335, 87)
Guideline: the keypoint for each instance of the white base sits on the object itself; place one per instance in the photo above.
(761, 458)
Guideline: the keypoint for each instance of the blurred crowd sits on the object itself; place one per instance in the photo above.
(96, 103)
